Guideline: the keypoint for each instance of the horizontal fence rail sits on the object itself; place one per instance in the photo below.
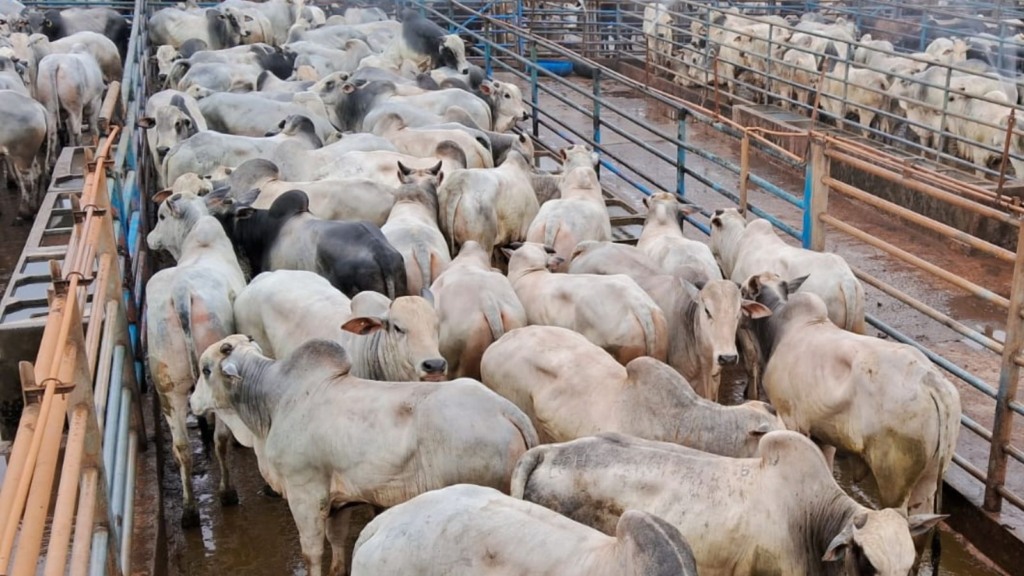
(658, 160)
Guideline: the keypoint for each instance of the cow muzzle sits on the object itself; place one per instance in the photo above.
(525, 116)
(162, 151)
(727, 359)
(434, 370)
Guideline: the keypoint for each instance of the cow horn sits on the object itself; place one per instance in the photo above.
(226, 348)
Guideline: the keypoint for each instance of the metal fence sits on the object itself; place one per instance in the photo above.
(650, 155)
(86, 374)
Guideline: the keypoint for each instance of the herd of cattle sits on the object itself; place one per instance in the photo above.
(54, 68)
(377, 291)
(797, 60)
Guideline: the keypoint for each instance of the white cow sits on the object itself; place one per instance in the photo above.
(70, 86)
(657, 28)
(328, 438)
(610, 311)
(662, 239)
(189, 307)
(412, 227)
(476, 531)
(571, 388)
(780, 513)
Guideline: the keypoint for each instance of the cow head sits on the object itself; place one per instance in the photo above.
(506, 104)
(165, 57)
(770, 289)
(879, 542)
(177, 216)
(453, 53)
(727, 228)
(527, 257)
(168, 126)
(407, 333)
(665, 209)
(578, 156)
(220, 383)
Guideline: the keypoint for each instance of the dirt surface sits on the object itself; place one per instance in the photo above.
(258, 536)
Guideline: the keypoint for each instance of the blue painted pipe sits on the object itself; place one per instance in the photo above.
(112, 412)
(98, 561)
(121, 463)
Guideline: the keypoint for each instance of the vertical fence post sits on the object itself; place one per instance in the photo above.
(488, 65)
(1009, 374)
(681, 115)
(596, 116)
(534, 95)
(744, 171)
(815, 196)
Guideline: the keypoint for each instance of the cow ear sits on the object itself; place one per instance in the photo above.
(162, 195)
(755, 310)
(795, 284)
(486, 89)
(363, 325)
(761, 430)
(348, 87)
(172, 204)
(427, 295)
(435, 170)
(522, 138)
(230, 369)
(146, 122)
(687, 209)
(244, 212)
(403, 170)
(563, 154)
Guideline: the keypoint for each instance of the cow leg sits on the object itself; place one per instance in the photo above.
(175, 407)
(94, 119)
(74, 125)
(343, 527)
(222, 439)
(309, 505)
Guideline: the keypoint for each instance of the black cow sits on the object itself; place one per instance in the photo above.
(422, 36)
(353, 256)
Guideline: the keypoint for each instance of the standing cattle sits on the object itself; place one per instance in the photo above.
(882, 401)
(476, 531)
(325, 438)
(57, 24)
(102, 49)
(387, 340)
(428, 45)
(610, 311)
(570, 388)
(702, 322)
(412, 227)
(71, 87)
(780, 513)
(353, 256)
(662, 239)
(25, 123)
(475, 305)
(171, 117)
(493, 207)
(579, 213)
(658, 32)
(215, 28)
(13, 75)
(745, 249)
(189, 308)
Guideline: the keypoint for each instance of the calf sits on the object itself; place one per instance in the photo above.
(423, 435)
(412, 227)
(387, 340)
(779, 513)
(858, 394)
(571, 388)
(189, 308)
(475, 305)
(610, 311)
(353, 256)
(443, 532)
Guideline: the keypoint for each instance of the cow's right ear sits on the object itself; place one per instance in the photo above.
(146, 122)
(563, 154)
(348, 87)
(403, 170)
(363, 325)
(755, 310)
(162, 195)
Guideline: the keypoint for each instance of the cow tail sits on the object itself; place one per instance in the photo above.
(182, 302)
(948, 410)
(551, 229)
(492, 313)
(853, 296)
(524, 469)
(646, 319)
(450, 209)
(52, 134)
(421, 254)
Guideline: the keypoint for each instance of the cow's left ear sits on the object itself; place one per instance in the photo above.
(427, 295)
(435, 169)
(921, 523)
(403, 171)
(686, 209)
(162, 195)
(486, 89)
(363, 325)
(755, 310)
(795, 284)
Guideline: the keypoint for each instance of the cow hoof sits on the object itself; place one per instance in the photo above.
(229, 497)
(269, 492)
(190, 518)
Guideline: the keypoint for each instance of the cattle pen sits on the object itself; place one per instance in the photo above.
(934, 236)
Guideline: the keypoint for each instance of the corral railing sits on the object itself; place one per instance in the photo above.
(642, 153)
(87, 372)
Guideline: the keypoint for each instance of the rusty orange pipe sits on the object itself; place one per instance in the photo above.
(19, 455)
(82, 546)
(953, 279)
(67, 494)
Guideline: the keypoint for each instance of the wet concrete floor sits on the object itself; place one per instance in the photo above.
(258, 537)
